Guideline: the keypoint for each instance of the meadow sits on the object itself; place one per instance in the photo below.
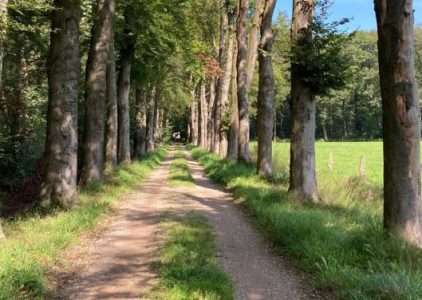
(340, 240)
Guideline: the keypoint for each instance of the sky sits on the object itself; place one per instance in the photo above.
(361, 12)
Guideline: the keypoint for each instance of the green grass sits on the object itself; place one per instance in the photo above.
(188, 269)
(343, 180)
(179, 171)
(340, 241)
(36, 242)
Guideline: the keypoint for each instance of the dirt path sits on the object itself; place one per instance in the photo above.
(118, 264)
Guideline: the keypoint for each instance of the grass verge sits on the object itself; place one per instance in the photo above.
(343, 245)
(179, 171)
(36, 242)
(188, 268)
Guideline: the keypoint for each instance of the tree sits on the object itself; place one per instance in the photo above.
(223, 87)
(96, 92)
(126, 56)
(111, 147)
(402, 129)
(233, 138)
(59, 185)
(141, 122)
(242, 79)
(266, 92)
(303, 181)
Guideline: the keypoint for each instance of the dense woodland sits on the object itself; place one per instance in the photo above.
(86, 86)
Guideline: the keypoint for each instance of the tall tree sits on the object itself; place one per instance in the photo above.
(59, 185)
(150, 144)
(126, 56)
(223, 88)
(242, 80)
(303, 181)
(233, 145)
(203, 114)
(141, 122)
(3, 26)
(254, 40)
(402, 128)
(265, 116)
(96, 92)
(111, 147)
(210, 118)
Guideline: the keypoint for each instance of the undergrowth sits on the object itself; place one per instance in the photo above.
(35, 242)
(341, 241)
(188, 269)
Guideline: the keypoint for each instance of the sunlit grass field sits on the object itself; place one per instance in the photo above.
(340, 240)
(345, 158)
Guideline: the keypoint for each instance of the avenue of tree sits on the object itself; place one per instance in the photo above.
(122, 76)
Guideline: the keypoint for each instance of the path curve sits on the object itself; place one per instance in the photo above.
(119, 263)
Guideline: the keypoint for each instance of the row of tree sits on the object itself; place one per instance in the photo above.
(119, 75)
(110, 71)
(219, 118)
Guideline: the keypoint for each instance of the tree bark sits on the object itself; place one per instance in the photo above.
(150, 145)
(96, 92)
(203, 114)
(194, 119)
(254, 41)
(233, 145)
(303, 183)
(242, 79)
(266, 93)
(157, 119)
(59, 186)
(126, 57)
(211, 101)
(401, 113)
(3, 28)
(222, 100)
(141, 123)
(123, 108)
(112, 112)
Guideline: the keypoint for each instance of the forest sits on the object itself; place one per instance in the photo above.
(314, 126)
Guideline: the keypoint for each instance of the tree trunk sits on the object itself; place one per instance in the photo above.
(242, 78)
(126, 57)
(194, 119)
(211, 101)
(112, 113)
(402, 191)
(203, 122)
(3, 28)
(303, 183)
(265, 116)
(233, 145)
(150, 146)
(123, 101)
(141, 123)
(96, 92)
(222, 100)
(59, 186)
(157, 119)
(254, 41)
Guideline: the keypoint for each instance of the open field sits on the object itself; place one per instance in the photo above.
(346, 158)
(340, 240)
